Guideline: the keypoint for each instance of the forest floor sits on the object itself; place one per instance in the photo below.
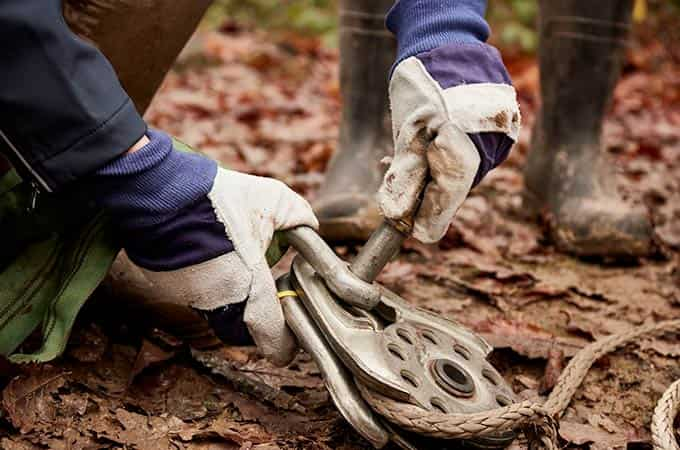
(270, 105)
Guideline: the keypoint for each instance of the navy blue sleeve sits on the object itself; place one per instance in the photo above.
(63, 112)
(423, 25)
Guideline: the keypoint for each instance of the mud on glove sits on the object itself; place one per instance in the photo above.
(198, 234)
(454, 111)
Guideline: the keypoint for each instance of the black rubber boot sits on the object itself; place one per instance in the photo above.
(568, 177)
(346, 205)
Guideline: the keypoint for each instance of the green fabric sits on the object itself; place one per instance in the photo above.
(53, 257)
(60, 253)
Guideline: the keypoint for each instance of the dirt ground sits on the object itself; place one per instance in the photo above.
(270, 105)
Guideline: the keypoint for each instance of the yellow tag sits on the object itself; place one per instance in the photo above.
(282, 294)
(640, 11)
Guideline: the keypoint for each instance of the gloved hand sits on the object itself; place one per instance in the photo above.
(199, 234)
(454, 111)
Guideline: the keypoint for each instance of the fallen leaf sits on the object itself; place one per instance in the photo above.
(28, 398)
(602, 421)
(553, 369)
(73, 404)
(87, 344)
(579, 434)
(238, 432)
(662, 347)
(398, 272)
(526, 339)
(147, 433)
(10, 444)
(149, 354)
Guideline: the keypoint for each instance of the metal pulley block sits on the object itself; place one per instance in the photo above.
(360, 332)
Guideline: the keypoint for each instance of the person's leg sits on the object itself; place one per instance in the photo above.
(346, 206)
(567, 175)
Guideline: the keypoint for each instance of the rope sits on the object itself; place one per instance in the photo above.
(578, 367)
(666, 409)
(538, 421)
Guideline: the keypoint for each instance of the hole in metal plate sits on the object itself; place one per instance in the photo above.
(462, 351)
(453, 378)
(410, 378)
(490, 376)
(387, 313)
(396, 352)
(503, 400)
(438, 404)
(429, 337)
(405, 336)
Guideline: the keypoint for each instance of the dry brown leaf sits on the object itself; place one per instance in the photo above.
(10, 444)
(527, 339)
(149, 354)
(28, 398)
(553, 370)
(73, 404)
(144, 433)
(579, 434)
(239, 432)
(602, 421)
(397, 272)
(87, 344)
(662, 347)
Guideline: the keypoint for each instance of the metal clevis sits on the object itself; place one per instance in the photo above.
(360, 332)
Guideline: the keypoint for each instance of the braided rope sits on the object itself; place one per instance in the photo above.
(572, 375)
(453, 426)
(663, 435)
(537, 420)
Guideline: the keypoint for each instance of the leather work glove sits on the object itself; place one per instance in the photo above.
(454, 112)
(198, 235)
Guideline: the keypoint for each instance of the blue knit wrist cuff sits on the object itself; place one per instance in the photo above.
(151, 185)
(423, 25)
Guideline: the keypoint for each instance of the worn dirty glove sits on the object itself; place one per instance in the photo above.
(199, 235)
(454, 111)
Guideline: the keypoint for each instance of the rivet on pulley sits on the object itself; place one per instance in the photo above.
(453, 378)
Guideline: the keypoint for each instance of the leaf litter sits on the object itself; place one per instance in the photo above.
(271, 106)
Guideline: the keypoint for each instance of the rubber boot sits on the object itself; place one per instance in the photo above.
(568, 177)
(346, 205)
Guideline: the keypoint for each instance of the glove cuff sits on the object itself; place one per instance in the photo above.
(455, 64)
(151, 185)
(158, 198)
(423, 25)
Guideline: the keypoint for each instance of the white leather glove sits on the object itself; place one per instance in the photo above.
(197, 235)
(432, 147)
(251, 209)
